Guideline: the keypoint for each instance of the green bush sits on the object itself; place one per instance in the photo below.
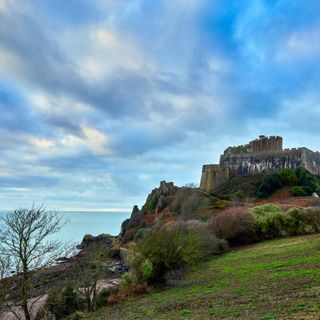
(128, 280)
(269, 185)
(166, 249)
(103, 296)
(299, 221)
(288, 177)
(298, 191)
(306, 178)
(63, 303)
(271, 221)
(314, 218)
(265, 209)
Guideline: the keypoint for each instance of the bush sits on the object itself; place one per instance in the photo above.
(128, 280)
(211, 243)
(314, 218)
(288, 177)
(299, 222)
(265, 209)
(271, 221)
(141, 234)
(237, 225)
(298, 191)
(103, 296)
(166, 249)
(64, 303)
(269, 185)
(306, 178)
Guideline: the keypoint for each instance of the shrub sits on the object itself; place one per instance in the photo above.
(298, 191)
(314, 218)
(271, 221)
(103, 296)
(288, 177)
(239, 195)
(237, 225)
(211, 243)
(128, 280)
(306, 178)
(166, 249)
(141, 234)
(308, 190)
(265, 209)
(63, 303)
(269, 185)
(299, 222)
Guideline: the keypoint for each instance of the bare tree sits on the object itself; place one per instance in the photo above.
(25, 241)
(5, 266)
(89, 269)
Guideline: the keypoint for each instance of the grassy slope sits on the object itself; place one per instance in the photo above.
(278, 279)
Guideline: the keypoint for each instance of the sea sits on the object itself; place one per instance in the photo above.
(80, 223)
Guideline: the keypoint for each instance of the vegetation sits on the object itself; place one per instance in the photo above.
(298, 191)
(25, 243)
(62, 303)
(237, 225)
(89, 269)
(167, 249)
(304, 183)
(177, 231)
(245, 284)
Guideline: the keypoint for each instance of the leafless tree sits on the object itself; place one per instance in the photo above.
(25, 241)
(89, 269)
(5, 266)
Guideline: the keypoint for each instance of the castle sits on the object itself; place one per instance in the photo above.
(265, 154)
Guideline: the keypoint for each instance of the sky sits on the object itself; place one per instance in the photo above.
(100, 100)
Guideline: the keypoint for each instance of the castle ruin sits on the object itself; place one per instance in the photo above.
(265, 154)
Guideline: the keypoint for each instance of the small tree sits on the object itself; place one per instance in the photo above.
(25, 241)
(89, 269)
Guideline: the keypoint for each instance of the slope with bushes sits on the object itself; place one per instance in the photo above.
(167, 204)
(242, 284)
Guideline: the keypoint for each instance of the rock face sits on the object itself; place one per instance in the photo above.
(261, 155)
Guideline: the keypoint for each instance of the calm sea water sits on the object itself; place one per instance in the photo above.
(95, 223)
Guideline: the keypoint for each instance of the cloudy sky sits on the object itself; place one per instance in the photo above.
(102, 99)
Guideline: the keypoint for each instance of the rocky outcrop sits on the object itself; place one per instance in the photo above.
(156, 201)
(166, 204)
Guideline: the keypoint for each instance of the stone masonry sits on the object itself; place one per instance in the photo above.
(265, 154)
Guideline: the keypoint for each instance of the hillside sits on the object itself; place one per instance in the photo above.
(278, 279)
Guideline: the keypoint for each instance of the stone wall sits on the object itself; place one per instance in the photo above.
(213, 175)
(263, 144)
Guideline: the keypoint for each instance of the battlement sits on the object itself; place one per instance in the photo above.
(262, 144)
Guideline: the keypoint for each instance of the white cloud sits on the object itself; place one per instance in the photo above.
(105, 51)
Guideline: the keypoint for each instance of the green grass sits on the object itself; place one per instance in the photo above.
(277, 279)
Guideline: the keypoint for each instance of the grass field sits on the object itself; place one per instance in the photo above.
(278, 279)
